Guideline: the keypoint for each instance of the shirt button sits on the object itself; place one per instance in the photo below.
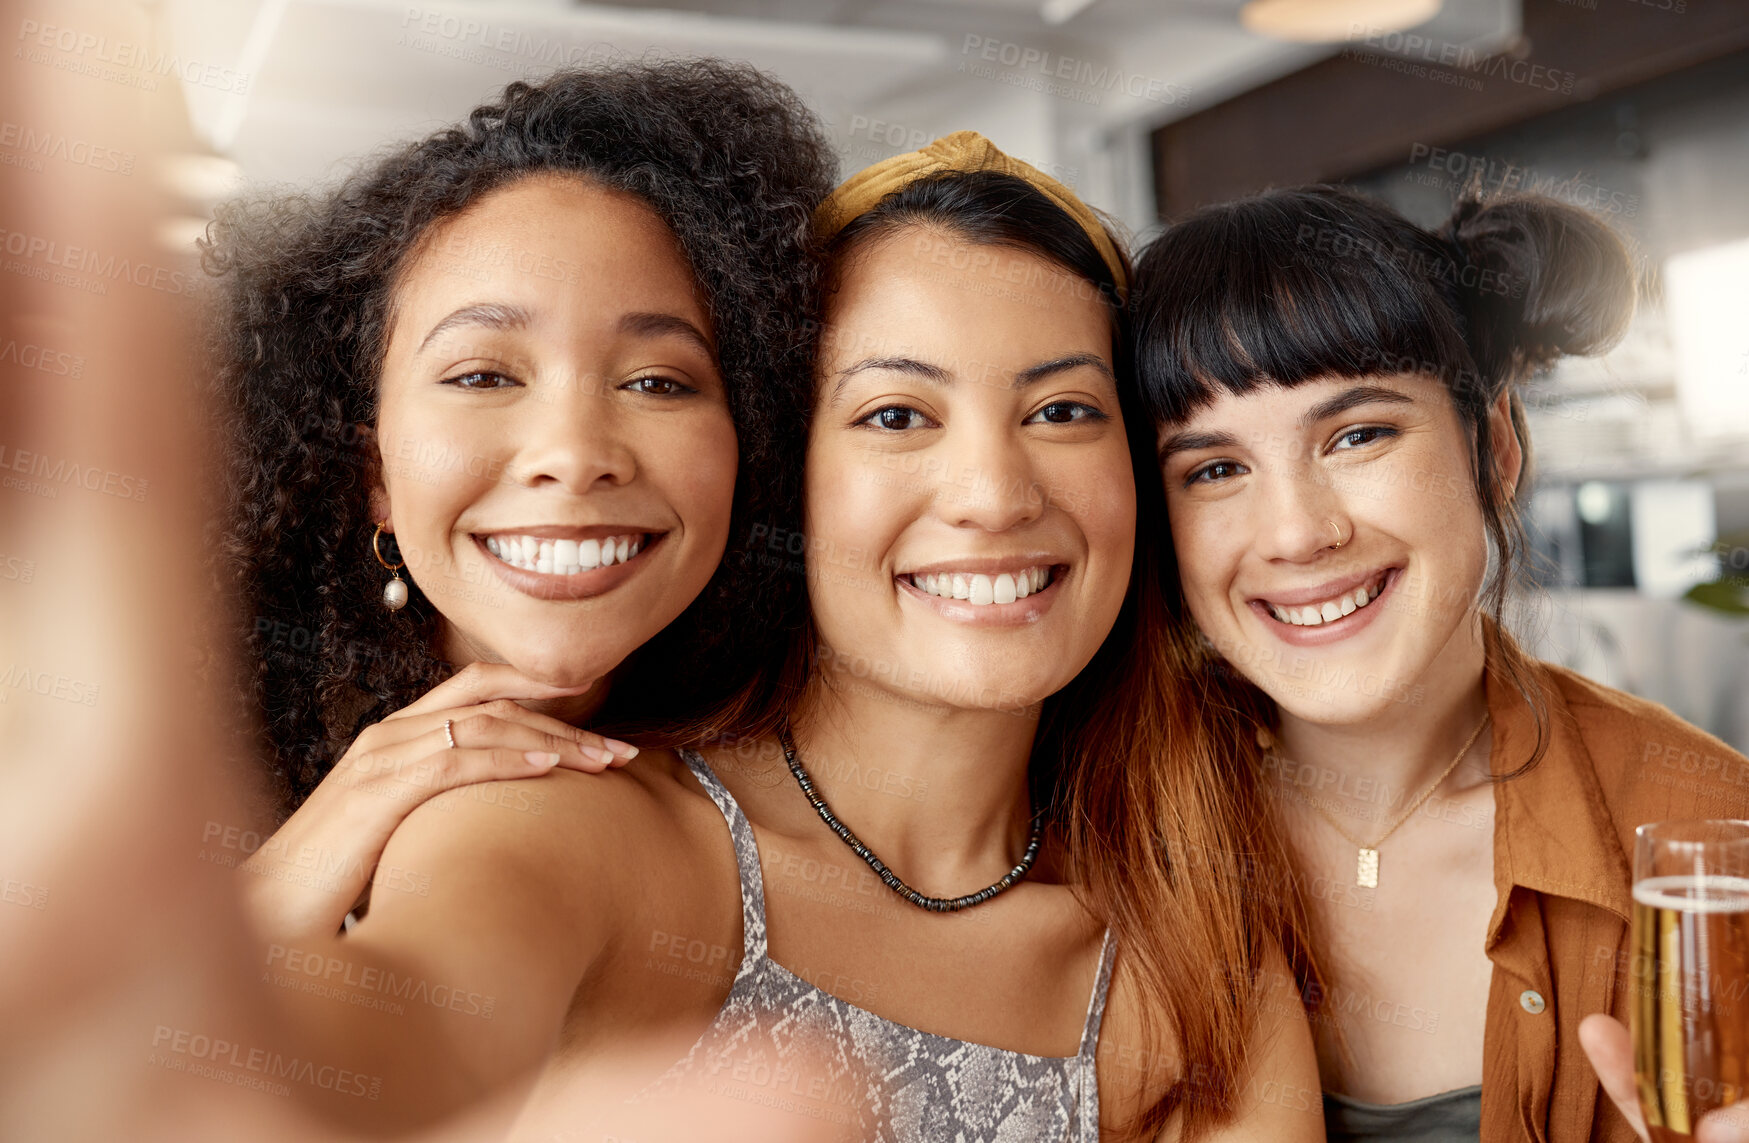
(1531, 1001)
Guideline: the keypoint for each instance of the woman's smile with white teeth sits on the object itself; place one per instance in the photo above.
(564, 557)
(980, 589)
(1329, 610)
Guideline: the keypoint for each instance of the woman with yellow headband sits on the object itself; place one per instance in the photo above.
(947, 869)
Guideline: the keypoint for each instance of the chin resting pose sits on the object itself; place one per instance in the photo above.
(498, 405)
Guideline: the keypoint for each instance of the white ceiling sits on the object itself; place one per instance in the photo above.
(333, 80)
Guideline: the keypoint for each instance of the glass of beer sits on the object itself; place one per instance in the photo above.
(1690, 971)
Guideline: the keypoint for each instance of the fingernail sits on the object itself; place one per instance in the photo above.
(541, 758)
(623, 749)
(597, 754)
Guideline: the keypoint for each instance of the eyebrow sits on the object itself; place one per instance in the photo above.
(936, 375)
(1352, 399)
(1189, 441)
(1192, 441)
(667, 325)
(492, 315)
(1061, 365)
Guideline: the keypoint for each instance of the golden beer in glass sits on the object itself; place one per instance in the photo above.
(1690, 971)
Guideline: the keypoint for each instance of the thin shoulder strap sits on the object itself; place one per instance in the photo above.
(746, 861)
(1096, 1005)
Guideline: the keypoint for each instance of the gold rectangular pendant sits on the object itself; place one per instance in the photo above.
(1366, 873)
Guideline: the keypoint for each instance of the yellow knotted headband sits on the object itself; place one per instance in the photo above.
(961, 151)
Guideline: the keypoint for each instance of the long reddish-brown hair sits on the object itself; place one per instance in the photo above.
(1134, 774)
(1305, 283)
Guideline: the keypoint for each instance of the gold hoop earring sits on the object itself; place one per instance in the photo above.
(1338, 530)
(395, 591)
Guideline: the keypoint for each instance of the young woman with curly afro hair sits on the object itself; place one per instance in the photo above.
(502, 413)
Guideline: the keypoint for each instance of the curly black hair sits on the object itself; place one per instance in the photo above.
(730, 160)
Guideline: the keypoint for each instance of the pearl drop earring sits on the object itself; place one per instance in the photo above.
(395, 591)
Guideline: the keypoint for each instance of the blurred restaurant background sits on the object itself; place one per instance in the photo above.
(1636, 109)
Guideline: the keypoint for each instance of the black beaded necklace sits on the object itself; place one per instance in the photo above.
(892, 880)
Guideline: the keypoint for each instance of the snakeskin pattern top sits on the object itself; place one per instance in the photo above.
(782, 1042)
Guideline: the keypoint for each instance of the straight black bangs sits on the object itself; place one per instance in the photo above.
(1290, 286)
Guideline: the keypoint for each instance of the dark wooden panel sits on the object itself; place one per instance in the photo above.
(1354, 113)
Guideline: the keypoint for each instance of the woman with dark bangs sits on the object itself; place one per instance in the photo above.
(1343, 451)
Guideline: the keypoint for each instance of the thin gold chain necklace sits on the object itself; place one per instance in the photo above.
(1366, 869)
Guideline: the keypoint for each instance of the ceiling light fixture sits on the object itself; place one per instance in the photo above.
(1333, 21)
(1062, 11)
(200, 178)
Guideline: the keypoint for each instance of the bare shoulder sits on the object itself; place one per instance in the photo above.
(557, 841)
(1137, 1057)
(1277, 1099)
(504, 898)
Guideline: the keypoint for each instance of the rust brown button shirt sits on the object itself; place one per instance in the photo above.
(1563, 846)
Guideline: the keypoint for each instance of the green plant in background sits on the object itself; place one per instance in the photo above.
(1728, 593)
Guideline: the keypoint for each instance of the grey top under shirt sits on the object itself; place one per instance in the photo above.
(781, 1042)
(1449, 1117)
